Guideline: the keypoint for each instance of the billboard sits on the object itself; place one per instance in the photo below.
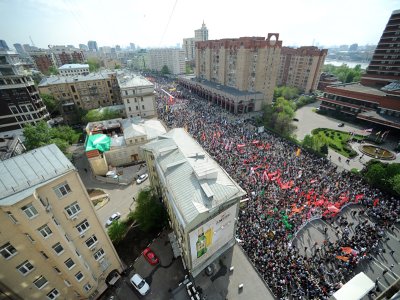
(208, 238)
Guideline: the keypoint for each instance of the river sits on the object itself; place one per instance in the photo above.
(351, 64)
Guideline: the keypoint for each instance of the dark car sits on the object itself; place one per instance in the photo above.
(295, 119)
(340, 125)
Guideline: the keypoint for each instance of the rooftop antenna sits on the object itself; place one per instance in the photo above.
(33, 44)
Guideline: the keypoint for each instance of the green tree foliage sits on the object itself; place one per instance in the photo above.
(286, 92)
(278, 116)
(165, 70)
(384, 176)
(344, 73)
(316, 143)
(52, 70)
(51, 103)
(149, 212)
(304, 100)
(116, 67)
(41, 134)
(189, 69)
(94, 64)
(117, 231)
(100, 115)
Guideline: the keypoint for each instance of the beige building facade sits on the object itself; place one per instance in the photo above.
(247, 64)
(137, 95)
(54, 245)
(201, 199)
(301, 67)
(174, 59)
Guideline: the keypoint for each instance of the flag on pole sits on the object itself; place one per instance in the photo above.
(298, 152)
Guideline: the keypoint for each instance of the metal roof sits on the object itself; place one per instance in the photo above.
(73, 66)
(22, 174)
(196, 182)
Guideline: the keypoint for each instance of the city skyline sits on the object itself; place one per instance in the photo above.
(166, 23)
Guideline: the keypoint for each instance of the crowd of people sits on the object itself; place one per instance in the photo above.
(287, 187)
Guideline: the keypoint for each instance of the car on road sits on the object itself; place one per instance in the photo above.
(113, 218)
(142, 178)
(295, 119)
(150, 256)
(340, 125)
(140, 284)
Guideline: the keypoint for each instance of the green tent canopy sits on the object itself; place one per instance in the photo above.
(99, 142)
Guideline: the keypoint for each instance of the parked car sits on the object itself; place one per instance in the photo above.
(142, 178)
(113, 218)
(111, 174)
(295, 119)
(140, 284)
(340, 125)
(150, 256)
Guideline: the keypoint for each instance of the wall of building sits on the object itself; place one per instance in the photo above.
(98, 165)
(51, 211)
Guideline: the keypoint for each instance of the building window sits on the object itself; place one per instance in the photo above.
(30, 211)
(83, 226)
(44, 255)
(29, 237)
(128, 101)
(67, 237)
(25, 268)
(90, 242)
(58, 248)
(54, 293)
(62, 190)
(40, 282)
(137, 107)
(69, 263)
(55, 221)
(11, 216)
(130, 108)
(57, 270)
(87, 287)
(79, 276)
(99, 254)
(8, 251)
(135, 100)
(45, 231)
(67, 283)
(73, 209)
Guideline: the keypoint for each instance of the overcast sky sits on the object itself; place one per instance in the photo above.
(157, 23)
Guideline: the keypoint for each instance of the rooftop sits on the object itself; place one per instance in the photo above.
(70, 79)
(73, 66)
(359, 88)
(196, 183)
(127, 80)
(22, 174)
(224, 88)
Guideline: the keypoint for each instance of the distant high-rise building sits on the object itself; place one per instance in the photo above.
(83, 47)
(353, 47)
(301, 67)
(20, 101)
(118, 48)
(70, 46)
(385, 64)
(93, 46)
(201, 34)
(174, 59)
(20, 50)
(132, 46)
(3, 45)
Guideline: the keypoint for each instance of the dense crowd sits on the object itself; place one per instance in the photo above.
(287, 187)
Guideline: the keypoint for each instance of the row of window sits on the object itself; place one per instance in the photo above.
(137, 107)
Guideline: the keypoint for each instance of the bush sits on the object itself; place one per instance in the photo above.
(355, 171)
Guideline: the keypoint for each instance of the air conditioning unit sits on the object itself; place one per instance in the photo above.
(74, 218)
(82, 236)
(94, 248)
(48, 208)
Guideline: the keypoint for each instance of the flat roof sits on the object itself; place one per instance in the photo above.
(22, 174)
(357, 87)
(73, 66)
(356, 288)
(56, 79)
(196, 182)
(224, 88)
(127, 80)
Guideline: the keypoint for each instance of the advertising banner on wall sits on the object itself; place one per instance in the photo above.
(211, 236)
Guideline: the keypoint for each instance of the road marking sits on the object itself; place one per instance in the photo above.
(389, 271)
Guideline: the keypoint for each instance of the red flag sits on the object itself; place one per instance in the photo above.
(359, 197)
(376, 202)
(344, 258)
(203, 136)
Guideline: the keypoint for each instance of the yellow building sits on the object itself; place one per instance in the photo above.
(201, 199)
(301, 67)
(52, 244)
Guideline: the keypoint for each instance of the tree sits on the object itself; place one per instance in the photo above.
(117, 66)
(149, 212)
(344, 73)
(51, 103)
(165, 70)
(52, 70)
(117, 231)
(189, 69)
(375, 174)
(395, 183)
(94, 64)
(95, 115)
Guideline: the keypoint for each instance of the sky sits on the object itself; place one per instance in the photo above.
(161, 23)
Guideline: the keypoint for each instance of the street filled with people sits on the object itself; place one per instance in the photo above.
(287, 187)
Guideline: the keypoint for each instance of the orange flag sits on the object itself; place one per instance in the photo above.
(344, 258)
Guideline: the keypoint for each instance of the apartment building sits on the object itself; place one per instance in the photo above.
(43, 60)
(189, 43)
(67, 55)
(201, 199)
(376, 100)
(86, 92)
(54, 245)
(92, 45)
(137, 95)
(301, 67)
(174, 59)
(74, 69)
(20, 101)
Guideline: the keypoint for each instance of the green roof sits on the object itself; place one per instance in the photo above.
(99, 142)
